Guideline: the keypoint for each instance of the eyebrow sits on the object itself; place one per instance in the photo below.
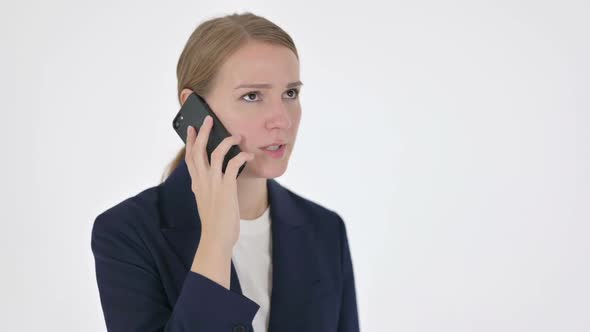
(267, 86)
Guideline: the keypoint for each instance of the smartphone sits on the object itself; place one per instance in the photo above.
(193, 113)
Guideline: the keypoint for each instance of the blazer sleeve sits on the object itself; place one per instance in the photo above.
(133, 297)
(348, 320)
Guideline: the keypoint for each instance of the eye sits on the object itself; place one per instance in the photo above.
(251, 93)
(295, 93)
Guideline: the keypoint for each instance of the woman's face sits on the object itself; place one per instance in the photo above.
(255, 95)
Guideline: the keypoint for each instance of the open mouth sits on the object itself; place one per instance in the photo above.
(273, 147)
(276, 151)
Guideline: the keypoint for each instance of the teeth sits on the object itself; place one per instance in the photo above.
(273, 147)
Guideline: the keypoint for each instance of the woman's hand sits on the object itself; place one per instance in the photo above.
(215, 192)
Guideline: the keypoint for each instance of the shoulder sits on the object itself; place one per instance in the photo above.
(329, 231)
(129, 217)
(121, 234)
(322, 217)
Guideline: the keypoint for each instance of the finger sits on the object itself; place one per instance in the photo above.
(221, 150)
(233, 166)
(199, 153)
(190, 138)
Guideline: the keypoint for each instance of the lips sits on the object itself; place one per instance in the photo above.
(275, 143)
(277, 154)
(279, 145)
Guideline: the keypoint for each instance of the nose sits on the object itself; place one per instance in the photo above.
(280, 116)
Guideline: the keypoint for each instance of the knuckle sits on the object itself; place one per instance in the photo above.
(203, 136)
(232, 163)
(217, 154)
(200, 145)
(237, 160)
(199, 141)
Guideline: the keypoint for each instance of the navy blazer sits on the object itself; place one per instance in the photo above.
(144, 247)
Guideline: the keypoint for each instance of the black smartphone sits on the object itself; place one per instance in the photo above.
(193, 113)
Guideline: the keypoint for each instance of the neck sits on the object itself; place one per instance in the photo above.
(252, 197)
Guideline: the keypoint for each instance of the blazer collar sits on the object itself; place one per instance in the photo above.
(295, 264)
(180, 209)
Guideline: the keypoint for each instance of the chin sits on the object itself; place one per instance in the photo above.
(267, 171)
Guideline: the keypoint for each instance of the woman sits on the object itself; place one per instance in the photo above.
(204, 251)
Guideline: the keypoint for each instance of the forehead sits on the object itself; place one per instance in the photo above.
(258, 62)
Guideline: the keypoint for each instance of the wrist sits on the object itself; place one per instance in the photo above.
(211, 244)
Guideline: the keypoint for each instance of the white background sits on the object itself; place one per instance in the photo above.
(452, 137)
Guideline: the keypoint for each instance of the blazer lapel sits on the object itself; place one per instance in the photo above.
(295, 267)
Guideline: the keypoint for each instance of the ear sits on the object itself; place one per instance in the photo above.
(184, 95)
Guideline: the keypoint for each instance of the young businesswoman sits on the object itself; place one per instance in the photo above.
(204, 251)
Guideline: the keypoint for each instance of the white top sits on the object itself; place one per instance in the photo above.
(253, 262)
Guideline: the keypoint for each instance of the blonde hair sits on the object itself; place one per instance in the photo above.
(210, 44)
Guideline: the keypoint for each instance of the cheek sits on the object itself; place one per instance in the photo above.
(296, 120)
(250, 136)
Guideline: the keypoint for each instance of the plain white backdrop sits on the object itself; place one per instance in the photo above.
(451, 136)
